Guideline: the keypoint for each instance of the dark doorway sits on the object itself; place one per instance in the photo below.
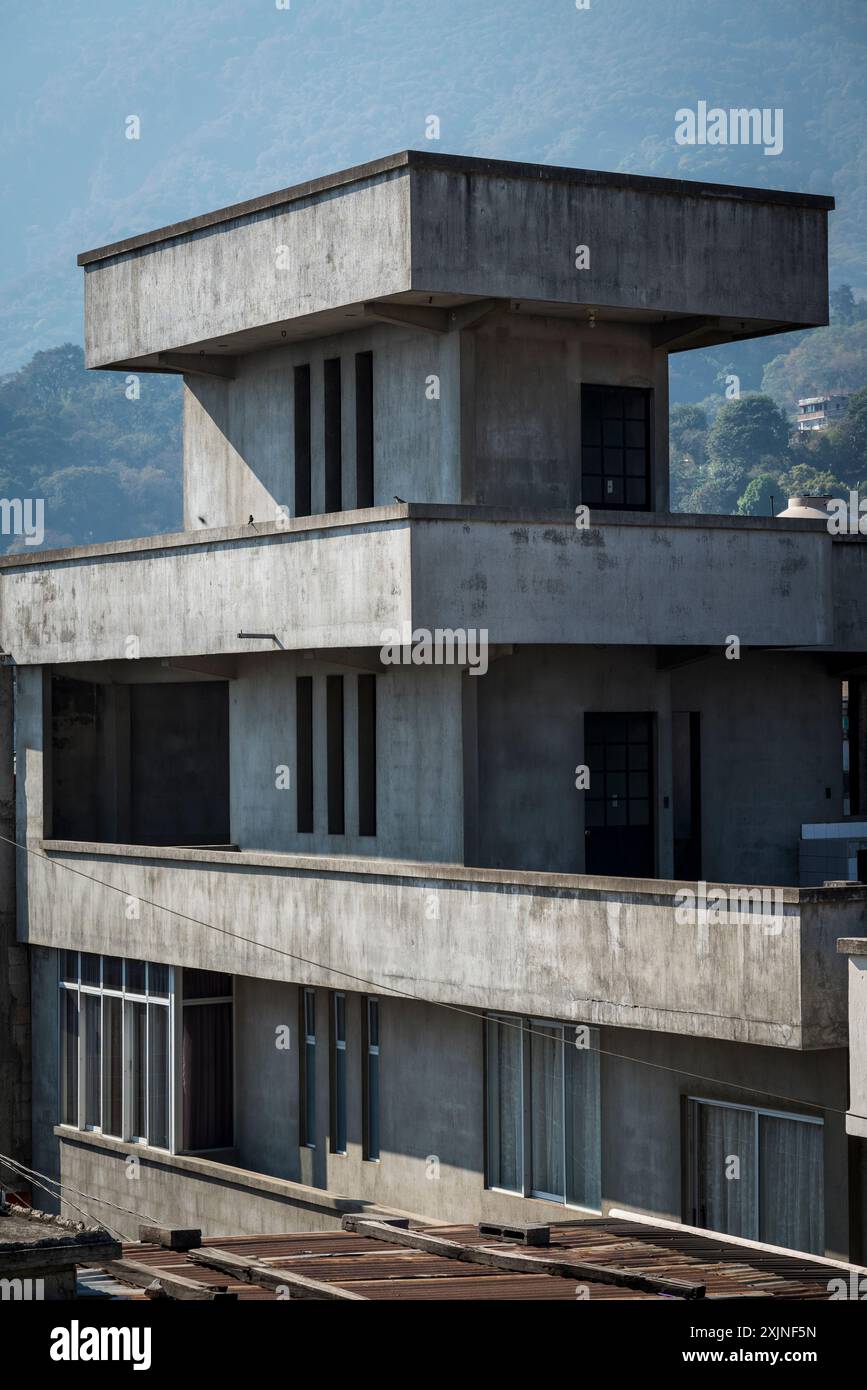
(615, 447)
(618, 820)
(686, 788)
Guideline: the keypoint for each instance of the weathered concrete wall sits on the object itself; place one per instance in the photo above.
(489, 234)
(432, 1125)
(419, 779)
(439, 224)
(654, 582)
(343, 247)
(856, 1120)
(771, 750)
(522, 381)
(626, 580)
(608, 950)
(239, 435)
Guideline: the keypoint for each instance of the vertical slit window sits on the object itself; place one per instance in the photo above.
(334, 709)
(69, 1055)
(302, 441)
(364, 429)
(367, 755)
(304, 754)
(308, 1069)
(338, 1074)
(371, 1081)
(333, 436)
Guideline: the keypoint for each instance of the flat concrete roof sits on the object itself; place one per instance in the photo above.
(423, 160)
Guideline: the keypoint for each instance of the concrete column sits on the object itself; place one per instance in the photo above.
(14, 968)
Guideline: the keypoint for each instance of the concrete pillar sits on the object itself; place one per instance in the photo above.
(14, 966)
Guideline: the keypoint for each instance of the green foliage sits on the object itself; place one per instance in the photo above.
(107, 467)
(756, 499)
(828, 359)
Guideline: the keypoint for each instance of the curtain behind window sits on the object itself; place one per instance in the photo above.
(505, 1102)
(727, 1204)
(207, 1076)
(792, 1184)
(546, 1101)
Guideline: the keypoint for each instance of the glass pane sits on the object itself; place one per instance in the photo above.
(158, 980)
(340, 1100)
(546, 1102)
(309, 1013)
(69, 1057)
(92, 1006)
(89, 968)
(373, 1023)
(339, 1018)
(591, 491)
(505, 1105)
(792, 1188)
(158, 1075)
(69, 966)
(310, 1093)
(112, 972)
(727, 1171)
(613, 491)
(137, 1025)
(112, 1065)
(135, 976)
(373, 1105)
(583, 1119)
(207, 984)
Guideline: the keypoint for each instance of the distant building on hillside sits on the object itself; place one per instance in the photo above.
(818, 412)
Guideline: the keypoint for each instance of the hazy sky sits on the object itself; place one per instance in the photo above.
(238, 97)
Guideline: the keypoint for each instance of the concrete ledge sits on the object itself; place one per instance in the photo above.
(852, 945)
(324, 864)
(405, 511)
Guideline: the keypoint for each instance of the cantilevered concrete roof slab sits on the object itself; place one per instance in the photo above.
(433, 240)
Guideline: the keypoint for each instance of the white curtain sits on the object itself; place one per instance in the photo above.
(727, 1171)
(546, 1102)
(505, 1105)
(792, 1185)
(583, 1122)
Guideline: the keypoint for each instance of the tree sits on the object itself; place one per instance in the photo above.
(687, 452)
(747, 433)
(756, 499)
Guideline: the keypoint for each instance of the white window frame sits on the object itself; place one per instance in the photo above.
(757, 1111)
(148, 997)
(526, 1189)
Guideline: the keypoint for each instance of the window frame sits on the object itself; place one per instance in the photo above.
(371, 1152)
(527, 1188)
(338, 1070)
(128, 996)
(693, 1143)
(307, 1070)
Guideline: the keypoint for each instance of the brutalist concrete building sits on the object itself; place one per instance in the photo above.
(421, 826)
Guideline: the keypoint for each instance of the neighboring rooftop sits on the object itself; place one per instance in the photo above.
(372, 1260)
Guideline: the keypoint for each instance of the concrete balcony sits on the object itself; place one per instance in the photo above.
(343, 580)
(415, 236)
(597, 950)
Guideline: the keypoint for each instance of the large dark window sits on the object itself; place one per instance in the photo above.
(615, 447)
(364, 429)
(333, 433)
(207, 1077)
(302, 440)
(618, 809)
(143, 764)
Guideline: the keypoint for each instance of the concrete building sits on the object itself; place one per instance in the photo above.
(818, 412)
(383, 824)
